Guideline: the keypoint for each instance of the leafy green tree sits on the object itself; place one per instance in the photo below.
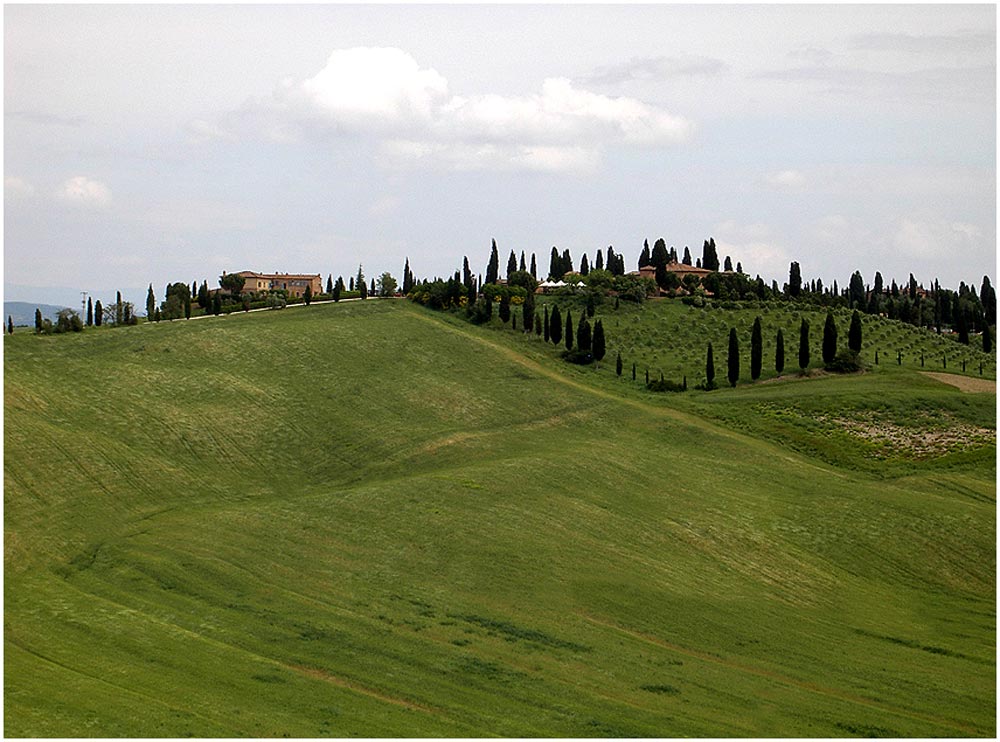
(386, 285)
(98, 313)
(583, 334)
(555, 326)
(829, 339)
(232, 282)
(854, 333)
(804, 345)
(569, 330)
(779, 352)
(150, 302)
(733, 360)
(756, 350)
(709, 369)
(599, 347)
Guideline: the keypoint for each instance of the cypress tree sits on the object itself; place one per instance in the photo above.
(119, 310)
(38, 319)
(756, 350)
(584, 265)
(371, 290)
(545, 325)
(686, 260)
(987, 339)
(555, 326)
(804, 345)
(618, 360)
(538, 325)
(156, 315)
(493, 267)
(599, 261)
(511, 264)
(569, 330)
(10, 325)
(710, 368)
(351, 285)
(336, 289)
(795, 280)
(779, 352)
(217, 305)
(90, 311)
(644, 256)
(633, 372)
(659, 255)
(329, 278)
(528, 312)
(150, 302)
(98, 314)
(583, 334)
(187, 307)
(829, 339)
(308, 295)
(534, 270)
(504, 308)
(520, 266)
(598, 347)
(555, 264)
(733, 361)
(854, 333)
(567, 262)
(727, 264)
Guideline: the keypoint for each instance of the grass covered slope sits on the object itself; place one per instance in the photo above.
(370, 519)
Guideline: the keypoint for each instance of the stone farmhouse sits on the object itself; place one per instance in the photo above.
(294, 283)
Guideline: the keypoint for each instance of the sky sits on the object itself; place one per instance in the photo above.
(151, 144)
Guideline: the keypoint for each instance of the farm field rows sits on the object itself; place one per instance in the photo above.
(369, 519)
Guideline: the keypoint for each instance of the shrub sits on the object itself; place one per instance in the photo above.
(845, 362)
(579, 357)
(665, 385)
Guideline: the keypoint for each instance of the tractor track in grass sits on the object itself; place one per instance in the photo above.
(654, 410)
(783, 679)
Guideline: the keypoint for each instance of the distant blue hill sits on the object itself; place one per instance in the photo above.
(23, 312)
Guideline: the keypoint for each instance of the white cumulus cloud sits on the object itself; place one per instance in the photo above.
(418, 121)
(85, 191)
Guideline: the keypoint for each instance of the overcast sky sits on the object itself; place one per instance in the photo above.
(162, 143)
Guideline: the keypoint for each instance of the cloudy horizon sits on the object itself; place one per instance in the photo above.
(170, 143)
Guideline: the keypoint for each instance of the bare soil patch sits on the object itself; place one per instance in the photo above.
(965, 383)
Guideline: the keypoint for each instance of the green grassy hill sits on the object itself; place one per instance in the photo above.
(371, 519)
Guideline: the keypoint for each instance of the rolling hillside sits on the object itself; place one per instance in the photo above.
(369, 519)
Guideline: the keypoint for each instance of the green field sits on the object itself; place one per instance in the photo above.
(370, 519)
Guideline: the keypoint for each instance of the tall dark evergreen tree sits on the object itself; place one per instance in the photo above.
(217, 304)
(555, 265)
(854, 333)
(686, 260)
(756, 350)
(599, 261)
(710, 368)
(988, 297)
(779, 352)
(794, 280)
(645, 256)
(733, 360)
(187, 306)
(493, 267)
(10, 327)
(98, 314)
(567, 261)
(555, 326)
(466, 272)
(878, 286)
(329, 278)
(504, 308)
(987, 339)
(90, 311)
(511, 264)
(856, 291)
(618, 359)
(829, 339)
(584, 336)
(804, 345)
(534, 270)
(538, 325)
(584, 265)
(728, 264)
(150, 303)
(599, 347)
(963, 323)
(38, 319)
(528, 312)
(521, 266)
(371, 288)
(710, 255)
(545, 325)
(659, 255)
(569, 330)
(407, 282)
(337, 288)
(119, 309)
(308, 295)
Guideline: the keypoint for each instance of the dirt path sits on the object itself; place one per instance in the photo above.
(965, 383)
(783, 679)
